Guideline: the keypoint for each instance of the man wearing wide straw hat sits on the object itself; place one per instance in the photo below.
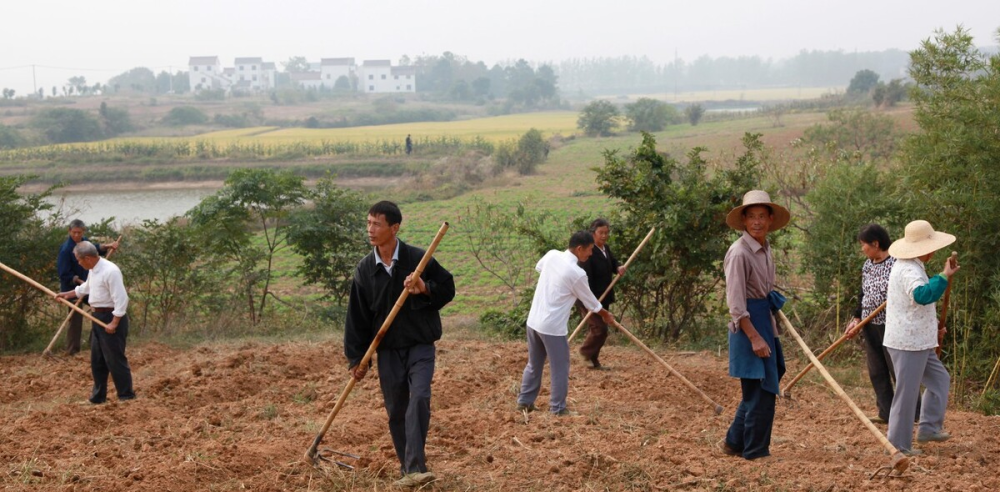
(754, 349)
(911, 335)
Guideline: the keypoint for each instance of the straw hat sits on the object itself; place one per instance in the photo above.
(919, 239)
(758, 197)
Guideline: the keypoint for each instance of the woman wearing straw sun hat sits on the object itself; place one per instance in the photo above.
(754, 349)
(911, 335)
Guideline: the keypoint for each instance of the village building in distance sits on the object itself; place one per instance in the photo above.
(252, 74)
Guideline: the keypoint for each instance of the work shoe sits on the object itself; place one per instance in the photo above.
(875, 419)
(565, 413)
(727, 449)
(530, 407)
(911, 452)
(415, 479)
(933, 437)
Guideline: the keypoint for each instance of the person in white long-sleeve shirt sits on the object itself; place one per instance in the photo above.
(561, 282)
(109, 300)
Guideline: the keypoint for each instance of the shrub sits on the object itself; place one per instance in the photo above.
(64, 125)
(185, 115)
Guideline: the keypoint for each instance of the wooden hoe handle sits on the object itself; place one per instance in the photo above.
(899, 461)
(49, 292)
(689, 384)
(613, 282)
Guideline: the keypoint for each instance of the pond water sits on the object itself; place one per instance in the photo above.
(127, 206)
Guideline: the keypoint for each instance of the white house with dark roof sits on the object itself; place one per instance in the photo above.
(205, 72)
(375, 76)
(269, 75)
(404, 79)
(248, 71)
(332, 69)
(306, 80)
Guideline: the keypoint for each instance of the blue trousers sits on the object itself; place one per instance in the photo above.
(405, 377)
(750, 432)
(107, 356)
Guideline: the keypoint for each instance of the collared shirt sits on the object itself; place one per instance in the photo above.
(911, 320)
(560, 283)
(395, 258)
(105, 287)
(749, 275)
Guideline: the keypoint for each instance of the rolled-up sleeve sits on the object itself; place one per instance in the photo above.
(736, 287)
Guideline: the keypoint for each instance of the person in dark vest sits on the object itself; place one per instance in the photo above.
(71, 274)
(406, 355)
(409, 145)
(755, 354)
(601, 268)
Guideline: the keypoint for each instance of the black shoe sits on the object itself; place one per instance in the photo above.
(596, 363)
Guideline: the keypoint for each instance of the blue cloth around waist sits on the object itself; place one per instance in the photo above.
(743, 363)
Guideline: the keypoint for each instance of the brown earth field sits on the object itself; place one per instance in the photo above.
(239, 416)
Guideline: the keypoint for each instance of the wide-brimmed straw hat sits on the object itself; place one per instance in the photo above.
(919, 239)
(758, 197)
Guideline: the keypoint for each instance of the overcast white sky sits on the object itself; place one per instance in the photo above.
(101, 38)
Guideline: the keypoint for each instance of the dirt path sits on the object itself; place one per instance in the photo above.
(232, 417)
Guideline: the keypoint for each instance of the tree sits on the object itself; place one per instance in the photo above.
(949, 178)
(138, 79)
(185, 115)
(330, 237)
(78, 82)
(681, 269)
(261, 198)
(863, 82)
(649, 115)
(694, 113)
(887, 95)
(64, 125)
(8, 93)
(296, 64)
(599, 118)
(342, 84)
(115, 121)
(10, 137)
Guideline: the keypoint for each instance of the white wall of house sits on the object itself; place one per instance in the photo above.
(248, 73)
(375, 76)
(332, 69)
(205, 72)
(404, 79)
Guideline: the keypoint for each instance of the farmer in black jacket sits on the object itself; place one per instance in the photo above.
(406, 354)
(601, 269)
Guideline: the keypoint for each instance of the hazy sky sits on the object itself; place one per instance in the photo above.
(101, 38)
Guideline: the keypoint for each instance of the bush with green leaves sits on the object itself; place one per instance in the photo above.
(862, 82)
(331, 237)
(599, 118)
(30, 246)
(167, 274)
(649, 115)
(681, 265)
(10, 138)
(65, 125)
(524, 154)
(224, 222)
(694, 113)
(185, 115)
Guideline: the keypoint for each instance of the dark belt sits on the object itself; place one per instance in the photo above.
(103, 309)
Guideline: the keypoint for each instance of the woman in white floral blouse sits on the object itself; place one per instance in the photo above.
(911, 335)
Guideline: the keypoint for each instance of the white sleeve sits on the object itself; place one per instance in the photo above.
(82, 289)
(581, 289)
(116, 285)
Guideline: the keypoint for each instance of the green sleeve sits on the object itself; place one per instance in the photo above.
(930, 292)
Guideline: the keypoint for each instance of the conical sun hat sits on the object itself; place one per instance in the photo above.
(919, 239)
(758, 197)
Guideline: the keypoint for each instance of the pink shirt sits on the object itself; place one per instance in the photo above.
(749, 275)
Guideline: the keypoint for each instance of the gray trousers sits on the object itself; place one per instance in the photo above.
(556, 347)
(912, 369)
(405, 377)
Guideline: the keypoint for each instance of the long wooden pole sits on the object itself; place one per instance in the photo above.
(842, 339)
(944, 305)
(613, 282)
(48, 349)
(899, 461)
(49, 292)
(313, 448)
(689, 384)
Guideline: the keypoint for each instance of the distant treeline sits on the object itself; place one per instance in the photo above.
(629, 74)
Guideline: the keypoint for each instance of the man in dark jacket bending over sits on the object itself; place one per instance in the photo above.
(406, 354)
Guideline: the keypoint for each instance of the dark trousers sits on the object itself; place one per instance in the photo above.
(879, 368)
(107, 356)
(597, 334)
(750, 432)
(74, 330)
(405, 377)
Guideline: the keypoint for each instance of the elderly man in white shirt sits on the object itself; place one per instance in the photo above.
(560, 284)
(109, 300)
(911, 335)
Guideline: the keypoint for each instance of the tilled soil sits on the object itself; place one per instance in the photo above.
(240, 417)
